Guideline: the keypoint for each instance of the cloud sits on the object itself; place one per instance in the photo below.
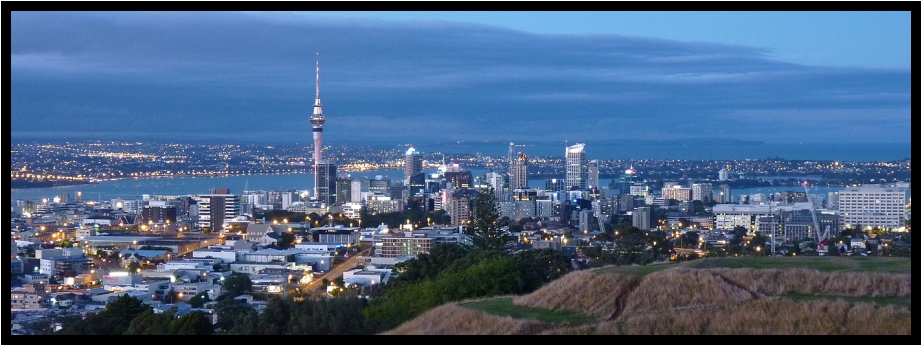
(242, 74)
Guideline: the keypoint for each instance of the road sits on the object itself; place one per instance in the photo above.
(335, 272)
(104, 268)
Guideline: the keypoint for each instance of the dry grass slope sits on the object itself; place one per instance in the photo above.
(581, 291)
(777, 317)
(682, 288)
(689, 301)
(778, 282)
(451, 319)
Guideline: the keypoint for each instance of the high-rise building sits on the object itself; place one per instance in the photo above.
(641, 218)
(585, 221)
(544, 208)
(380, 184)
(723, 195)
(872, 206)
(417, 184)
(702, 192)
(639, 190)
(343, 190)
(723, 175)
(158, 212)
(593, 168)
(326, 178)
(317, 121)
(832, 202)
(216, 208)
(461, 205)
(677, 192)
(577, 172)
(500, 187)
(627, 180)
(413, 164)
(460, 179)
(358, 186)
(518, 172)
(554, 185)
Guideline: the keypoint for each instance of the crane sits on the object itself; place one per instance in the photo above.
(816, 225)
(598, 216)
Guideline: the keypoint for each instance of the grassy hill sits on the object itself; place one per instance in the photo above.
(752, 295)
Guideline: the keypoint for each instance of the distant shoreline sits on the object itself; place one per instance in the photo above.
(40, 184)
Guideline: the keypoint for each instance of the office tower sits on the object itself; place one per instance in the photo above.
(577, 174)
(216, 208)
(872, 206)
(317, 121)
(554, 185)
(641, 218)
(627, 180)
(343, 190)
(326, 177)
(518, 172)
(158, 212)
(498, 182)
(702, 192)
(460, 179)
(380, 185)
(639, 190)
(832, 202)
(413, 164)
(417, 184)
(593, 168)
(585, 221)
(358, 186)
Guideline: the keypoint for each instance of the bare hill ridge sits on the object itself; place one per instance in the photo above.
(688, 299)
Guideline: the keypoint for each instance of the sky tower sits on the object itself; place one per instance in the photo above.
(317, 121)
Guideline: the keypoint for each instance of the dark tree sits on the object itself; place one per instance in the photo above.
(429, 265)
(199, 300)
(484, 230)
(690, 239)
(229, 310)
(286, 240)
(134, 267)
(237, 284)
(119, 313)
(540, 266)
(150, 323)
(192, 323)
(739, 232)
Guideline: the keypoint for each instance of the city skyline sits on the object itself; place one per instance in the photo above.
(248, 75)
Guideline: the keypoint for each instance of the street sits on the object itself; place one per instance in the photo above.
(336, 271)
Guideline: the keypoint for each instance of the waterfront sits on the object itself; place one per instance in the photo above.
(133, 188)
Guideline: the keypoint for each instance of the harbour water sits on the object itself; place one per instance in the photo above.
(133, 188)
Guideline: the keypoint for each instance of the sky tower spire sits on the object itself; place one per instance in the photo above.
(317, 121)
(318, 79)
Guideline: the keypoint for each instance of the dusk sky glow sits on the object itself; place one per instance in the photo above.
(825, 77)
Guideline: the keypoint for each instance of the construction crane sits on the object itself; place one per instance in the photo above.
(816, 225)
(598, 216)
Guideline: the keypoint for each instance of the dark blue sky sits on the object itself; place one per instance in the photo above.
(250, 76)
